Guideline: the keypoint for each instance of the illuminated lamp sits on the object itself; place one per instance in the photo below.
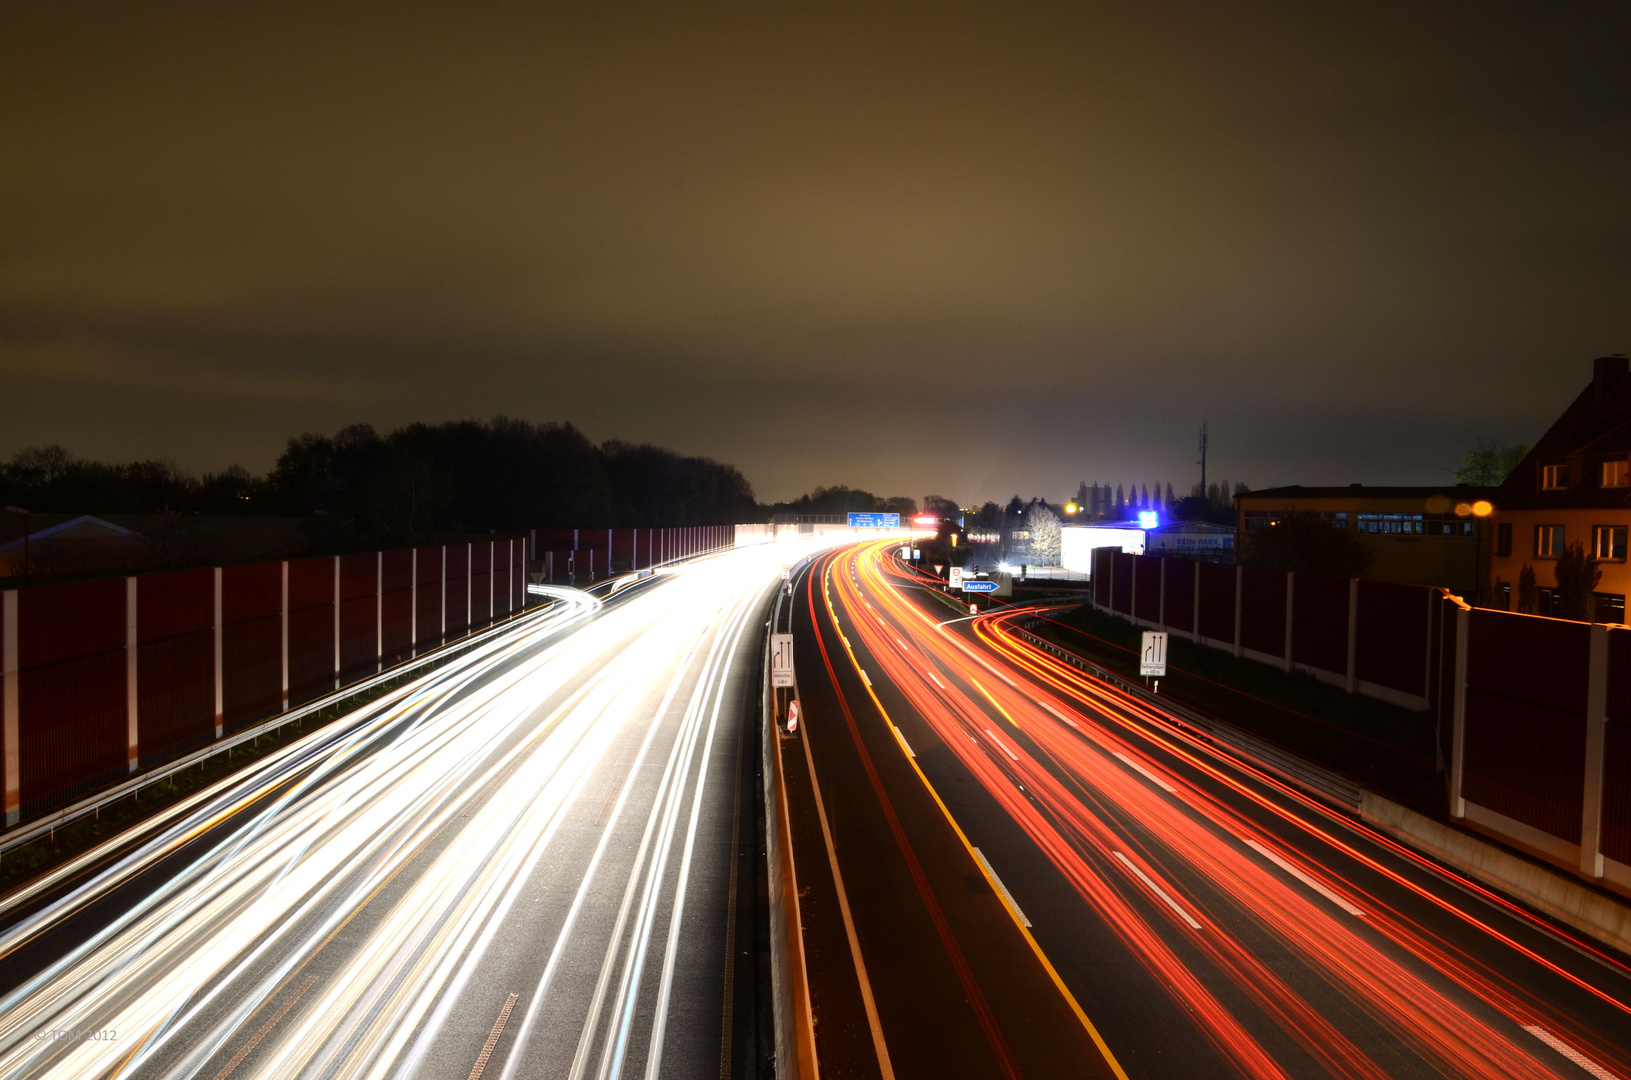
(1148, 519)
(1070, 508)
(926, 519)
(1483, 508)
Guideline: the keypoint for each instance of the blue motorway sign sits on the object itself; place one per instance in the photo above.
(873, 521)
(979, 586)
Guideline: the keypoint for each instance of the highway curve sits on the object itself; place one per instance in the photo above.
(1013, 869)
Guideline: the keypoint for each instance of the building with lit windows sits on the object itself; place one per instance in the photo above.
(1416, 535)
(1573, 488)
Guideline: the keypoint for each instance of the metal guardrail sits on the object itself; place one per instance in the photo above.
(23, 834)
(793, 1020)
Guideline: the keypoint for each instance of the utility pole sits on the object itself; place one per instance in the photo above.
(1202, 462)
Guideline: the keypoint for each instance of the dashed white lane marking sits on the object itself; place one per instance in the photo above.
(999, 744)
(1159, 891)
(1151, 777)
(1304, 878)
(902, 739)
(486, 1054)
(1569, 1052)
(937, 682)
(265, 1029)
(863, 676)
(1059, 714)
(1007, 897)
(901, 643)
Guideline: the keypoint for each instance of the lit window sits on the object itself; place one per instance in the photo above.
(1608, 542)
(1554, 477)
(1548, 541)
(1617, 473)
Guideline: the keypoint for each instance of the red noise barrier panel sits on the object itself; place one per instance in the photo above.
(101, 677)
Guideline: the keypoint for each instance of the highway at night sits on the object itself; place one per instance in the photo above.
(1013, 869)
(519, 865)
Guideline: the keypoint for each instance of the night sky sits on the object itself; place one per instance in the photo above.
(967, 249)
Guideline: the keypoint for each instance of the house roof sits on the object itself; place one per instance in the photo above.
(1596, 425)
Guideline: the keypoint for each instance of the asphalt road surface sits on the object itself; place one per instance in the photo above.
(521, 865)
(1010, 869)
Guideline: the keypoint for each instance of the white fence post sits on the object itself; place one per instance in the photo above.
(336, 622)
(1458, 738)
(1291, 588)
(284, 623)
(1161, 612)
(8, 667)
(1195, 626)
(1353, 635)
(1240, 589)
(1591, 816)
(220, 682)
(133, 742)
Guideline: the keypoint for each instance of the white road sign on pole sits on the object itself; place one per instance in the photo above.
(954, 578)
(781, 660)
(1153, 657)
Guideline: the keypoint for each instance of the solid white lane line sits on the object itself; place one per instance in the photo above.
(1304, 878)
(1159, 891)
(1007, 897)
(1059, 714)
(486, 1054)
(902, 739)
(1151, 777)
(999, 744)
(1569, 1052)
(676, 918)
(868, 1002)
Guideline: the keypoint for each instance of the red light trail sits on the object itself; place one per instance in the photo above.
(1248, 932)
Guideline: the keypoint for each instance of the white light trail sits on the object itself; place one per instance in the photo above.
(399, 842)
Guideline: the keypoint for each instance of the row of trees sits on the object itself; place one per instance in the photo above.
(370, 489)
(837, 500)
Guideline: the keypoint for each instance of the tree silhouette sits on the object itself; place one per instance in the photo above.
(1577, 575)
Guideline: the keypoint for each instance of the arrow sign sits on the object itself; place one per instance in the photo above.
(979, 586)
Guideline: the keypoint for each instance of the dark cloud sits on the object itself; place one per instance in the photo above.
(953, 248)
